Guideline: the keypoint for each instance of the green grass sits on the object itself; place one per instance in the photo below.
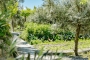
(60, 45)
(86, 55)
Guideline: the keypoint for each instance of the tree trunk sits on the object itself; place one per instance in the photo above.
(25, 18)
(76, 39)
(12, 25)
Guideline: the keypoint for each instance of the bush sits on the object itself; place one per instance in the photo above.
(35, 31)
(67, 35)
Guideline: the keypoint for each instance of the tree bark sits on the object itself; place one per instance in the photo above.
(12, 25)
(76, 39)
(25, 18)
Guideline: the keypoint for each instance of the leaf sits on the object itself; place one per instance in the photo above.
(83, 2)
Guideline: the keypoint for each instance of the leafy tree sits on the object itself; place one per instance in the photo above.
(14, 9)
(4, 26)
(26, 13)
(15, 15)
(68, 13)
(6, 12)
(76, 13)
(18, 20)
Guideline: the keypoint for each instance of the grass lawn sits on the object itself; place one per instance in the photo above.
(60, 45)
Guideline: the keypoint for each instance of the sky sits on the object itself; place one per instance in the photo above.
(31, 3)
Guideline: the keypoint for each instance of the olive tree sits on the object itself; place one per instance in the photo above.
(75, 14)
(68, 13)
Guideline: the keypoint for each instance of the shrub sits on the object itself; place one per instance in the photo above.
(35, 31)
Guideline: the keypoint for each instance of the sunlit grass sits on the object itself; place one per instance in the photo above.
(62, 45)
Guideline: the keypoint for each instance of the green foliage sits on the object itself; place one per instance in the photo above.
(4, 32)
(36, 31)
(36, 42)
(26, 12)
(57, 37)
(4, 29)
(83, 1)
(8, 8)
(12, 49)
(13, 9)
(67, 35)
